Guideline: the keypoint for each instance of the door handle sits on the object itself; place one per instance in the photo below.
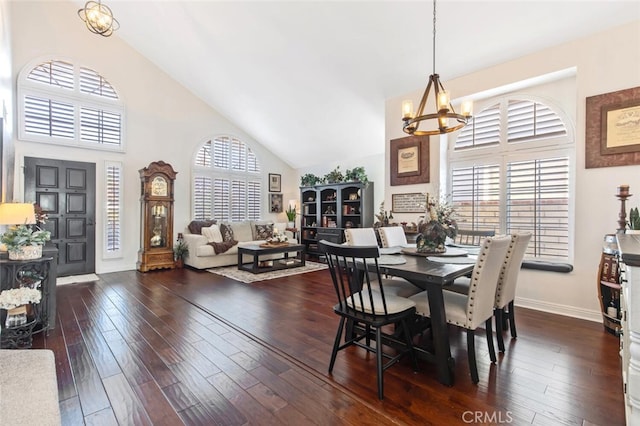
(90, 222)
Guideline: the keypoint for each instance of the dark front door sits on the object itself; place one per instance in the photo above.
(66, 192)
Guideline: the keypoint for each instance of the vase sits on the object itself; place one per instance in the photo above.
(431, 238)
(291, 224)
(16, 316)
(26, 253)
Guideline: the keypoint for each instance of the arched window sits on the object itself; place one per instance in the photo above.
(510, 171)
(60, 102)
(226, 181)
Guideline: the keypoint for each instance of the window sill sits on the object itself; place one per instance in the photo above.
(541, 265)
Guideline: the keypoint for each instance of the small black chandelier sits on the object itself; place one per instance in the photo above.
(444, 110)
(99, 18)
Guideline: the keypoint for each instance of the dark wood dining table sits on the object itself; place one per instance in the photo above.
(432, 277)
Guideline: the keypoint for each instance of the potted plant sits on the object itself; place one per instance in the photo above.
(356, 175)
(180, 251)
(310, 179)
(634, 221)
(25, 242)
(291, 216)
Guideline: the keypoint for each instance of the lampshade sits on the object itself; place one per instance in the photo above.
(17, 214)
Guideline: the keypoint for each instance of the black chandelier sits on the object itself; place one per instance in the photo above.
(444, 110)
(99, 18)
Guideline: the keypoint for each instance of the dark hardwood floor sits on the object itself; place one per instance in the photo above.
(184, 346)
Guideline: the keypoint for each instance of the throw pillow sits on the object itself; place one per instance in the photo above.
(212, 233)
(264, 232)
(195, 227)
(227, 232)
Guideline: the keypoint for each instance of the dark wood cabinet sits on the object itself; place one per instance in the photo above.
(328, 209)
(609, 284)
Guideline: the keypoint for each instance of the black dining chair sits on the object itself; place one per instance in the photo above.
(364, 308)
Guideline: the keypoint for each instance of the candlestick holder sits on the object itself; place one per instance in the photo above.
(622, 216)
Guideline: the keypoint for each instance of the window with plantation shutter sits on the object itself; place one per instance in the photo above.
(226, 183)
(60, 102)
(515, 175)
(113, 209)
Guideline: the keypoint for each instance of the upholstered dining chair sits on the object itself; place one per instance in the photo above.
(473, 237)
(367, 237)
(371, 310)
(393, 236)
(506, 289)
(360, 237)
(471, 310)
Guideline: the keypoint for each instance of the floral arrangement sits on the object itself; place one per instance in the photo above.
(438, 224)
(442, 211)
(277, 237)
(18, 236)
(12, 298)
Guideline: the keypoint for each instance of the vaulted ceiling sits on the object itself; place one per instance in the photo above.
(308, 80)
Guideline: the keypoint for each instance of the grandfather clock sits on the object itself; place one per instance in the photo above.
(156, 217)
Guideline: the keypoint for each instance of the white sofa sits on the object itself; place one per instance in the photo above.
(202, 255)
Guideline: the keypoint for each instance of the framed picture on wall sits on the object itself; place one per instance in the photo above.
(275, 182)
(275, 203)
(409, 160)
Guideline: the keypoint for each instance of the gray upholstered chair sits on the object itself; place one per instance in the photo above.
(471, 310)
(473, 237)
(393, 236)
(363, 311)
(506, 289)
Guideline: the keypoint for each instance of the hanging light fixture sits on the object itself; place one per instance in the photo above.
(99, 18)
(444, 110)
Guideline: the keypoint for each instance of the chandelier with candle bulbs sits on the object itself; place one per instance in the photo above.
(443, 109)
(99, 18)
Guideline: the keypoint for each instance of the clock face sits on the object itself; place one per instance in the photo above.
(159, 186)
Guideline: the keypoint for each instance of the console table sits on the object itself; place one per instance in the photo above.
(15, 272)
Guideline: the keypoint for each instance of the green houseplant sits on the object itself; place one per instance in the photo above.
(25, 241)
(180, 251)
(291, 214)
(634, 219)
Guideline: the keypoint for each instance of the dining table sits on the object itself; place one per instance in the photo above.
(432, 273)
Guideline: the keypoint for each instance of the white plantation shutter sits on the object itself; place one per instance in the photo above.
(484, 129)
(64, 103)
(528, 120)
(113, 196)
(53, 73)
(93, 83)
(475, 196)
(520, 178)
(230, 190)
(538, 201)
(97, 126)
(221, 202)
(48, 118)
(202, 187)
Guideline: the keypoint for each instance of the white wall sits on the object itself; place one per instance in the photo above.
(6, 101)
(164, 121)
(603, 65)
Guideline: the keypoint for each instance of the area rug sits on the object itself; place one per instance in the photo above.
(247, 277)
(73, 279)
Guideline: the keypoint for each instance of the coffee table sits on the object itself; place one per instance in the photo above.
(285, 262)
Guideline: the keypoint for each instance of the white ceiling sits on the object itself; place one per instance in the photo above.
(308, 80)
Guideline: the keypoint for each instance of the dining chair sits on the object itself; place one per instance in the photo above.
(506, 289)
(393, 236)
(471, 310)
(371, 310)
(360, 237)
(367, 237)
(473, 237)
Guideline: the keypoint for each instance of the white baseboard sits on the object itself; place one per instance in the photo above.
(556, 308)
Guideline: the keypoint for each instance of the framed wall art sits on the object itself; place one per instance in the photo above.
(612, 133)
(408, 203)
(275, 203)
(275, 182)
(409, 160)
